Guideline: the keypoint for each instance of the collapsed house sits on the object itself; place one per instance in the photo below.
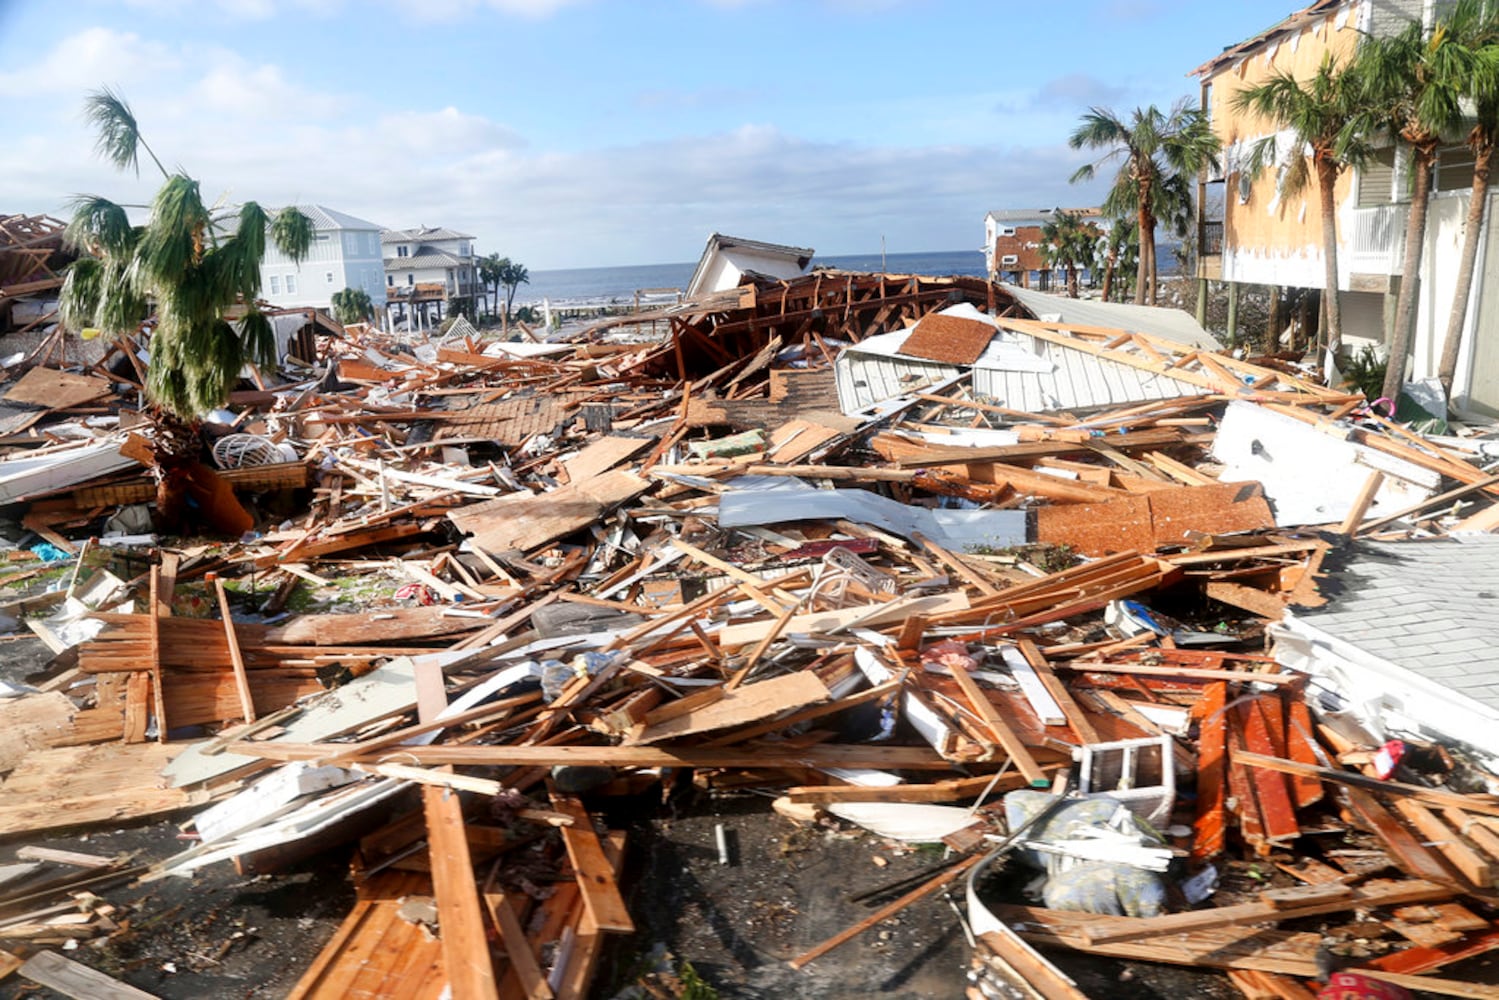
(930, 557)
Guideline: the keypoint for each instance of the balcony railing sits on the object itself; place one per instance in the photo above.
(1379, 239)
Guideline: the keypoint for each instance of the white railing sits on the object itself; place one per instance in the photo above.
(1379, 239)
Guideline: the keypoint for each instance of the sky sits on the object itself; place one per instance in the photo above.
(582, 133)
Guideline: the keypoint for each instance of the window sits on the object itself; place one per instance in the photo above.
(1007, 230)
(291, 284)
(403, 251)
(410, 279)
(321, 237)
(275, 284)
(1010, 259)
(390, 280)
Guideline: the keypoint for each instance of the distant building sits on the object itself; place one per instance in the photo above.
(726, 259)
(1013, 246)
(345, 253)
(427, 270)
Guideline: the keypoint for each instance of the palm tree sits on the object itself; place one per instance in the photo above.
(1412, 83)
(352, 305)
(1117, 253)
(1476, 23)
(1068, 242)
(1153, 147)
(490, 270)
(512, 276)
(1317, 111)
(200, 271)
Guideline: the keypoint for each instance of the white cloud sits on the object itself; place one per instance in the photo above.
(95, 54)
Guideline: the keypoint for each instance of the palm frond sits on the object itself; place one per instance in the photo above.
(173, 241)
(292, 233)
(82, 288)
(257, 339)
(119, 135)
(98, 225)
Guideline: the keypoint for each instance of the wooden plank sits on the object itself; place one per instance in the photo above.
(1486, 804)
(601, 894)
(957, 790)
(1271, 789)
(517, 948)
(241, 680)
(1019, 753)
(1405, 850)
(465, 948)
(1279, 904)
(1301, 747)
(1038, 973)
(153, 621)
(748, 755)
(1361, 504)
(1077, 718)
(1212, 776)
(73, 979)
(1439, 835)
(746, 704)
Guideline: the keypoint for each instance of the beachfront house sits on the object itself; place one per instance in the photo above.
(429, 272)
(727, 259)
(1251, 233)
(1014, 245)
(345, 253)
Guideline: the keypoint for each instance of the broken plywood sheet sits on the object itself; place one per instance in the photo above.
(831, 621)
(1309, 475)
(57, 390)
(1145, 522)
(76, 786)
(523, 521)
(376, 952)
(390, 688)
(602, 455)
(954, 340)
(794, 441)
(33, 722)
(749, 703)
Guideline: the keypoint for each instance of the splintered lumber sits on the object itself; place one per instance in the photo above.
(73, 979)
(1439, 835)
(1276, 904)
(1077, 719)
(1038, 973)
(525, 521)
(768, 755)
(241, 681)
(746, 704)
(606, 907)
(465, 948)
(885, 912)
(374, 952)
(32, 723)
(1001, 729)
(1405, 850)
(517, 948)
(1486, 804)
(1208, 829)
(76, 786)
(957, 790)
(1271, 789)
(731, 636)
(1429, 984)
(587, 942)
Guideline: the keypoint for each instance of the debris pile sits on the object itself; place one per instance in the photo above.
(904, 552)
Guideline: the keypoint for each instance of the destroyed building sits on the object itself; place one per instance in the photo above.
(835, 562)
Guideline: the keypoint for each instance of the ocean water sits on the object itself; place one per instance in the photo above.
(589, 286)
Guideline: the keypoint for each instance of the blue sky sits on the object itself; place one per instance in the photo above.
(576, 133)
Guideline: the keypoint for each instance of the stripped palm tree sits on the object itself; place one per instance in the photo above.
(352, 305)
(1153, 147)
(1476, 23)
(1317, 112)
(199, 271)
(1412, 84)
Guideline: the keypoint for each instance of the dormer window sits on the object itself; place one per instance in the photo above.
(403, 251)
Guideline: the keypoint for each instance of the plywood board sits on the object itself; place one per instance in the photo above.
(74, 786)
(745, 704)
(376, 953)
(602, 455)
(31, 723)
(57, 390)
(524, 521)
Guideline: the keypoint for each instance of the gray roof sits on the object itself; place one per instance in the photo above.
(1431, 607)
(424, 258)
(324, 218)
(1159, 321)
(422, 233)
(1039, 215)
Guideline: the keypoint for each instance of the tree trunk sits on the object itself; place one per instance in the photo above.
(1275, 322)
(1147, 238)
(1472, 231)
(174, 450)
(1327, 181)
(1072, 280)
(1108, 273)
(1410, 275)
